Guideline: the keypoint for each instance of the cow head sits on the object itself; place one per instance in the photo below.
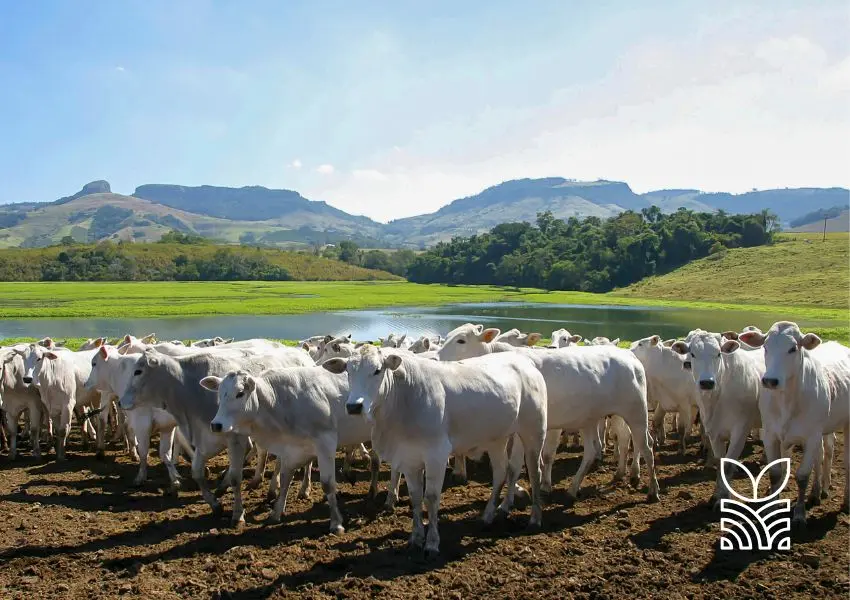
(704, 357)
(561, 338)
(367, 370)
(236, 399)
(784, 350)
(467, 341)
(646, 347)
(36, 357)
(133, 394)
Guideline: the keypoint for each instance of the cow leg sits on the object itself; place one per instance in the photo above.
(168, 456)
(199, 476)
(63, 431)
(237, 447)
(533, 445)
(602, 432)
(812, 451)
(260, 470)
(845, 505)
(347, 471)
(392, 489)
(274, 483)
(459, 469)
(306, 481)
(413, 476)
(325, 452)
(516, 458)
(550, 448)
(499, 462)
(622, 434)
(683, 426)
(143, 443)
(374, 468)
(588, 434)
(11, 427)
(828, 455)
(4, 443)
(35, 415)
(286, 471)
(435, 473)
(771, 453)
(737, 440)
(814, 495)
(642, 442)
(100, 426)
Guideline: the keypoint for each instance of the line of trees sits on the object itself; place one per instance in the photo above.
(591, 255)
(396, 262)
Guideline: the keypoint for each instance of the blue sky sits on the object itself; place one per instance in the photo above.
(394, 108)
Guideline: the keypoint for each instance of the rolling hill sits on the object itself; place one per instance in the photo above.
(284, 218)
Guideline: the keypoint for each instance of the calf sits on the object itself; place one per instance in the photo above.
(561, 338)
(601, 341)
(111, 373)
(296, 414)
(423, 410)
(809, 385)
(159, 379)
(585, 384)
(61, 377)
(17, 398)
(728, 384)
(670, 387)
(515, 338)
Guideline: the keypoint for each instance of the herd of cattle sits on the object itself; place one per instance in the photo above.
(418, 403)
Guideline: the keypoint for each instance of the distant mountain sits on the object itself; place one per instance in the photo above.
(285, 218)
(817, 216)
(839, 222)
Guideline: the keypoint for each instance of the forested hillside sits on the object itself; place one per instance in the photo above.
(592, 255)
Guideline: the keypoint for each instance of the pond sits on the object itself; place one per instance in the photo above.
(625, 322)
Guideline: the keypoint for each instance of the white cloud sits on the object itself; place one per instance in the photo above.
(295, 164)
(730, 109)
(325, 169)
(120, 69)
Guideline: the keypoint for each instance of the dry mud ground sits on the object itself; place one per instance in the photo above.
(77, 530)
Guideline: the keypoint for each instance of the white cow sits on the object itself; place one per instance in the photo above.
(561, 338)
(515, 338)
(111, 373)
(585, 384)
(728, 382)
(60, 378)
(17, 398)
(296, 414)
(809, 387)
(394, 341)
(422, 411)
(669, 385)
(601, 341)
(211, 342)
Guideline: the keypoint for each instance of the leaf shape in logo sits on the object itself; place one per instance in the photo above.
(754, 481)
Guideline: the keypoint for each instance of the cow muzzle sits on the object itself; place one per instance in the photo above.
(354, 408)
(27, 380)
(706, 384)
(770, 383)
(216, 427)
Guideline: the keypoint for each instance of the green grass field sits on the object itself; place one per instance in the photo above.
(800, 270)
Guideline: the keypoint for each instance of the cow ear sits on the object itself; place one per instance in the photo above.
(753, 338)
(533, 338)
(152, 361)
(7, 356)
(478, 328)
(250, 384)
(615, 342)
(810, 341)
(128, 338)
(335, 365)
(51, 355)
(426, 343)
(305, 347)
(335, 347)
(229, 340)
(211, 383)
(402, 338)
(488, 335)
(730, 335)
(98, 343)
(587, 342)
(575, 339)
(669, 342)
(149, 338)
(654, 340)
(327, 338)
(382, 340)
(104, 353)
(729, 346)
(680, 347)
(392, 362)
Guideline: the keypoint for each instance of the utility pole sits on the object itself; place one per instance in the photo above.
(824, 229)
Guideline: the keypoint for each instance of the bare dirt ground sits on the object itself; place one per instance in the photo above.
(77, 530)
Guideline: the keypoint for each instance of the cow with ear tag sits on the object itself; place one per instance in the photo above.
(808, 385)
(728, 385)
(422, 410)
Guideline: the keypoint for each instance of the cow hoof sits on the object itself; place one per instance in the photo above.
(652, 497)
(459, 479)
(570, 500)
(271, 498)
(824, 494)
(634, 481)
(814, 500)
(253, 484)
(100, 455)
(238, 522)
(304, 495)
(273, 519)
(138, 482)
(798, 523)
(219, 492)
(338, 530)
(217, 510)
(431, 553)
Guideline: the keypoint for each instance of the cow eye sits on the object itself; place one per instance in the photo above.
(718, 354)
(377, 372)
(240, 394)
(137, 372)
(461, 341)
(93, 364)
(693, 355)
(792, 350)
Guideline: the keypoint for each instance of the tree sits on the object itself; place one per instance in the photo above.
(348, 252)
